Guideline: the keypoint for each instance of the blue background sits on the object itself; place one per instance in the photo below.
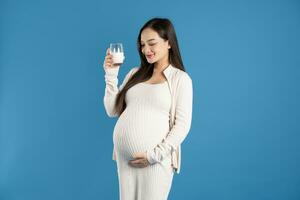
(243, 57)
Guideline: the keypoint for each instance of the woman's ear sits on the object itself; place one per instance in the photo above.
(169, 46)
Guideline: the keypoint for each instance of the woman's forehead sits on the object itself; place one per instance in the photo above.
(149, 34)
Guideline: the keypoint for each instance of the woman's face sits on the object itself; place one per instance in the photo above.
(153, 46)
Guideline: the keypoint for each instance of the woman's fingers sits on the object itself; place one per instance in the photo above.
(138, 163)
(108, 59)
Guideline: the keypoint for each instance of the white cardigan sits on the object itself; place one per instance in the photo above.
(181, 89)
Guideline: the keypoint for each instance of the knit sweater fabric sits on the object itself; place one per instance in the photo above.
(141, 126)
(181, 90)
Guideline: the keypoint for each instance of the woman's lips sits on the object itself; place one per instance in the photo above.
(150, 56)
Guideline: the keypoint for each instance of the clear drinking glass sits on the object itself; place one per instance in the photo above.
(117, 52)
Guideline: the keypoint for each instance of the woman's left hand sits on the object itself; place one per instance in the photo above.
(140, 160)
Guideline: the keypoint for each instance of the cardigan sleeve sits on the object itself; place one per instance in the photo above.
(182, 122)
(111, 88)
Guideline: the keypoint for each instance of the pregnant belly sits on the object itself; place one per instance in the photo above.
(139, 133)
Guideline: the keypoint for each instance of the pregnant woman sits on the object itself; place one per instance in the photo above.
(154, 106)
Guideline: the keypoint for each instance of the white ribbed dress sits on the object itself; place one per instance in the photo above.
(143, 124)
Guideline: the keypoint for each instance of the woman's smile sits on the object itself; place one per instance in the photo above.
(150, 56)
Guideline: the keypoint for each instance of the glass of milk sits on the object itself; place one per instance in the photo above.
(116, 50)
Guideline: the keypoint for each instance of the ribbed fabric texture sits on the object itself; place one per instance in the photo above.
(181, 89)
(143, 125)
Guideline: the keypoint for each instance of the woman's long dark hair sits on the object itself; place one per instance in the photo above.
(166, 31)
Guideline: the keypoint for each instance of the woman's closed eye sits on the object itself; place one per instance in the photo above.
(142, 45)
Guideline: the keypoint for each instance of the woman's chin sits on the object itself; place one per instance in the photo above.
(151, 61)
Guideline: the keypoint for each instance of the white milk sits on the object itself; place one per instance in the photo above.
(118, 57)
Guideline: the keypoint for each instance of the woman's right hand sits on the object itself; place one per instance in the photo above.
(108, 62)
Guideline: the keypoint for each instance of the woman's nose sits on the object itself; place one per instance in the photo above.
(147, 50)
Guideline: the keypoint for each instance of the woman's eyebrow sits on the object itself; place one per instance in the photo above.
(149, 40)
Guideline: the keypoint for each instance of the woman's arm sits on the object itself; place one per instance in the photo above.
(111, 88)
(182, 123)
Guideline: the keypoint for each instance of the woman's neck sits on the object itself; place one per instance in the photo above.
(160, 66)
